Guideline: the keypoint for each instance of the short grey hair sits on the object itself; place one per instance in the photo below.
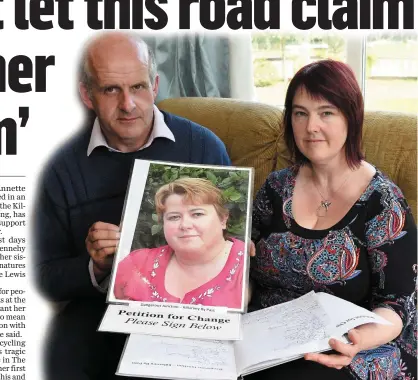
(86, 78)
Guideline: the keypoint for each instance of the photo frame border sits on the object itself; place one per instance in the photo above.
(138, 179)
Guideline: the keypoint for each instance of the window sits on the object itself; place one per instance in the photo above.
(391, 72)
(277, 57)
(386, 65)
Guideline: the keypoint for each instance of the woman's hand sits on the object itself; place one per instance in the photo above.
(364, 337)
(248, 292)
(347, 352)
(252, 249)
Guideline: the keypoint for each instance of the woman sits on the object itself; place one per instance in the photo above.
(199, 265)
(334, 223)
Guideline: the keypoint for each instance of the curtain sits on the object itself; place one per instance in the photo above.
(194, 65)
(241, 67)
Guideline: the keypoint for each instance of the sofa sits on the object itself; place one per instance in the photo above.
(252, 133)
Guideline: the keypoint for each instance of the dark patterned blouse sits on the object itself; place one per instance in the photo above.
(368, 258)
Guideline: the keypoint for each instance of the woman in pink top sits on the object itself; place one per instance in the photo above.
(199, 265)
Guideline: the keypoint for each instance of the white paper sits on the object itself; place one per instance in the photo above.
(346, 315)
(271, 336)
(284, 330)
(178, 358)
(161, 320)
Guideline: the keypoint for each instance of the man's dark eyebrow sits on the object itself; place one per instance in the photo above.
(142, 83)
(105, 86)
(110, 85)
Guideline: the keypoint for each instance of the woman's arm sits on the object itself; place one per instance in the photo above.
(263, 210)
(374, 335)
(391, 239)
(364, 337)
(262, 214)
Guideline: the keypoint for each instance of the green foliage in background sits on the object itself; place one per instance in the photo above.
(265, 73)
(370, 62)
(273, 41)
(233, 184)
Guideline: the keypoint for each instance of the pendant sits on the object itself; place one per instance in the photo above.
(322, 210)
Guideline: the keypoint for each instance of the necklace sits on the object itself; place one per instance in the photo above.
(325, 204)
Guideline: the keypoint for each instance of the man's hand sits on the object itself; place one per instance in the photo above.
(101, 243)
(348, 351)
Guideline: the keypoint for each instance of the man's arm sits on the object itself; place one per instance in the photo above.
(61, 271)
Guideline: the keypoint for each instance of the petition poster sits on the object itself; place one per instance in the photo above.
(178, 218)
(40, 47)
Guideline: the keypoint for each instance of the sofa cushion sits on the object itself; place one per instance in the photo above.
(249, 130)
(390, 143)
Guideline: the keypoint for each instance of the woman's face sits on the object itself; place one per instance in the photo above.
(191, 227)
(319, 128)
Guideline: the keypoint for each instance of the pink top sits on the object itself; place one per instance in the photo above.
(140, 277)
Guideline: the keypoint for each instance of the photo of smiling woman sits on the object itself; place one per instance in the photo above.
(199, 264)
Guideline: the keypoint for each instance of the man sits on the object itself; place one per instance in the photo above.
(82, 193)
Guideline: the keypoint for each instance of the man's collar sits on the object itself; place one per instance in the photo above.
(159, 129)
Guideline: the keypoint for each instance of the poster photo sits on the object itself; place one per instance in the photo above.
(184, 236)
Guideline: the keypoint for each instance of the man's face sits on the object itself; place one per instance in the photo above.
(122, 94)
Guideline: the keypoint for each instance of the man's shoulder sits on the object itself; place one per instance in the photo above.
(76, 145)
(67, 157)
(180, 125)
(202, 145)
